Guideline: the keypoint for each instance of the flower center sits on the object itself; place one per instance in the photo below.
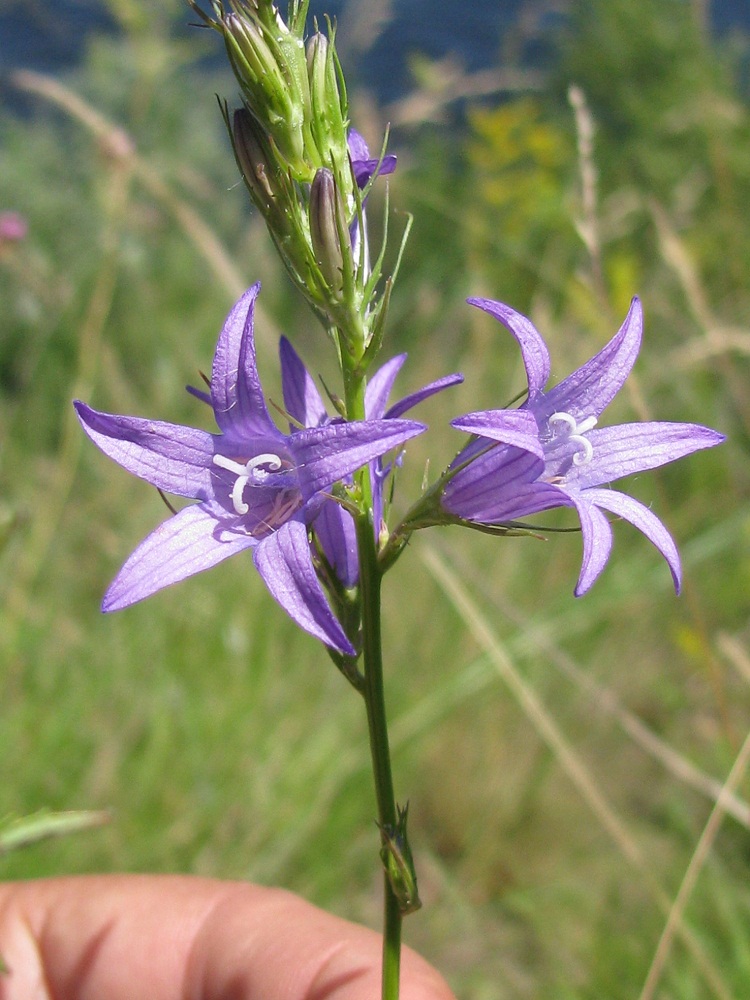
(255, 471)
(564, 426)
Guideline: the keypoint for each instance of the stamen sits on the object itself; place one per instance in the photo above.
(229, 465)
(576, 434)
(240, 507)
(582, 458)
(244, 473)
(272, 461)
(563, 418)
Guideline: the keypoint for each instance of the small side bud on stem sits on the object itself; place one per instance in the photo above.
(399, 864)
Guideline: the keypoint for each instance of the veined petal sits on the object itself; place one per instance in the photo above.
(335, 530)
(406, 404)
(285, 564)
(490, 485)
(624, 449)
(236, 392)
(380, 385)
(519, 497)
(171, 457)
(302, 400)
(363, 165)
(594, 385)
(533, 349)
(186, 544)
(597, 541)
(327, 454)
(647, 522)
(517, 428)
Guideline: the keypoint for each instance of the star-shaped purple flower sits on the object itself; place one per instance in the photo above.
(257, 488)
(334, 526)
(550, 453)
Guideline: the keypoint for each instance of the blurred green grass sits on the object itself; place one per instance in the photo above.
(221, 738)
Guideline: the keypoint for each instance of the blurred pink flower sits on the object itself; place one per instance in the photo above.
(13, 227)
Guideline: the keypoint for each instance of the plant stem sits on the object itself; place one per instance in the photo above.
(374, 695)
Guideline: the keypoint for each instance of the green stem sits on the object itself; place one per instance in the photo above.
(374, 695)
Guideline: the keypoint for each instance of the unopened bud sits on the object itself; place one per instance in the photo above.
(254, 156)
(329, 231)
(328, 105)
(399, 864)
(271, 70)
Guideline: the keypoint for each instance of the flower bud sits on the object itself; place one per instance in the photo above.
(328, 106)
(270, 67)
(399, 864)
(329, 232)
(255, 158)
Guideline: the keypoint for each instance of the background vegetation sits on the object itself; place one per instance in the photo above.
(563, 758)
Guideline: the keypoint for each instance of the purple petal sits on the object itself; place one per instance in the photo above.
(379, 387)
(335, 530)
(597, 541)
(533, 349)
(301, 397)
(204, 397)
(358, 149)
(643, 519)
(405, 404)
(236, 391)
(327, 454)
(594, 385)
(363, 165)
(187, 543)
(285, 564)
(171, 457)
(498, 484)
(479, 499)
(517, 428)
(624, 449)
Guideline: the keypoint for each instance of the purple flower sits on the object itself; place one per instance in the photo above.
(257, 488)
(363, 165)
(549, 453)
(334, 526)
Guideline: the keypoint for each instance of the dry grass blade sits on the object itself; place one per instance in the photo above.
(566, 755)
(117, 144)
(702, 850)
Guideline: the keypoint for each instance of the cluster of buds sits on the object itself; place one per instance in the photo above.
(291, 142)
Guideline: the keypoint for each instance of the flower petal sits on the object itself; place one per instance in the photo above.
(336, 532)
(363, 165)
(187, 543)
(301, 397)
(480, 494)
(597, 541)
(594, 385)
(533, 349)
(380, 385)
(236, 391)
(624, 449)
(285, 564)
(513, 427)
(646, 521)
(327, 454)
(405, 404)
(171, 457)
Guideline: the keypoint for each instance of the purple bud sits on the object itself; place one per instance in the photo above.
(328, 228)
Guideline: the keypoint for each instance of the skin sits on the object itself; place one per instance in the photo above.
(126, 937)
